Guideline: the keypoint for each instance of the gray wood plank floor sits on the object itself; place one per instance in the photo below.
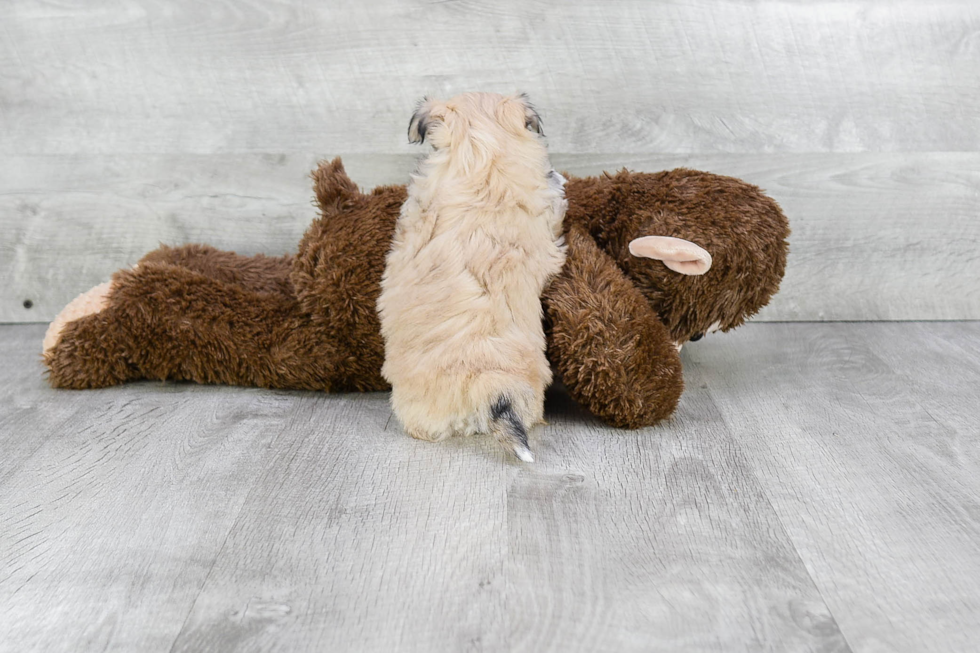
(818, 490)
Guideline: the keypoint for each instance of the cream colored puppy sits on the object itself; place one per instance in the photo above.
(475, 244)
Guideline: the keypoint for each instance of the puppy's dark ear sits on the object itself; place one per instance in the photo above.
(419, 123)
(531, 118)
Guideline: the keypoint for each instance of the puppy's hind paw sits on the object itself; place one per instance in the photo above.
(426, 435)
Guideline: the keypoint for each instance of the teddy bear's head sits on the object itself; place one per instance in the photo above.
(707, 251)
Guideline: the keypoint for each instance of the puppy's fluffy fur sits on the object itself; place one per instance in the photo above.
(474, 246)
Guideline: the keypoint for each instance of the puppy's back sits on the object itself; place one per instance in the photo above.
(476, 242)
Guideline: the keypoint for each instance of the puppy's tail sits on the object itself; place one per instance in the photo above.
(507, 427)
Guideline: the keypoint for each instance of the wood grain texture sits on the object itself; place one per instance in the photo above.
(875, 236)
(177, 517)
(69, 220)
(361, 538)
(151, 76)
(114, 504)
(817, 491)
(658, 539)
(124, 123)
(375, 542)
(864, 439)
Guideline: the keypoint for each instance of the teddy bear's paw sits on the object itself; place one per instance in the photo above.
(87, 303)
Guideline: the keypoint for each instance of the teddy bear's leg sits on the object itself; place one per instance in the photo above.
(86, 353)
(89, 302)
(259, 273)
(163, 321)
(609, 347)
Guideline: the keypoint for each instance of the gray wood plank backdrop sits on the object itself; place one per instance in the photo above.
(132, 122)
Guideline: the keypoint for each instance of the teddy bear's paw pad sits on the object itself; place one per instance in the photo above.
(87, 303)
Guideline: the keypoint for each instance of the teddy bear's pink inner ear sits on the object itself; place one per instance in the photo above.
(677, 254)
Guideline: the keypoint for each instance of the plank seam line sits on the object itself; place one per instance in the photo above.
(751, 467)
(224, 543)
(799, 556)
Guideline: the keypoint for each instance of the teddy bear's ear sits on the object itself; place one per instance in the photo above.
(677, 254)
(331, 184)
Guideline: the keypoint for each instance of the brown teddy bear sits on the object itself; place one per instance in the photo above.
(654, 260)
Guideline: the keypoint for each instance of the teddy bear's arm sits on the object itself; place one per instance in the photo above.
(606, 344)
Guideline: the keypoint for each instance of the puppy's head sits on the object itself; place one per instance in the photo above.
(486, 118)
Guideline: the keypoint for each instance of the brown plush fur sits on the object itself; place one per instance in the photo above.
(309, 321)
(744, 231)
(195, 313)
